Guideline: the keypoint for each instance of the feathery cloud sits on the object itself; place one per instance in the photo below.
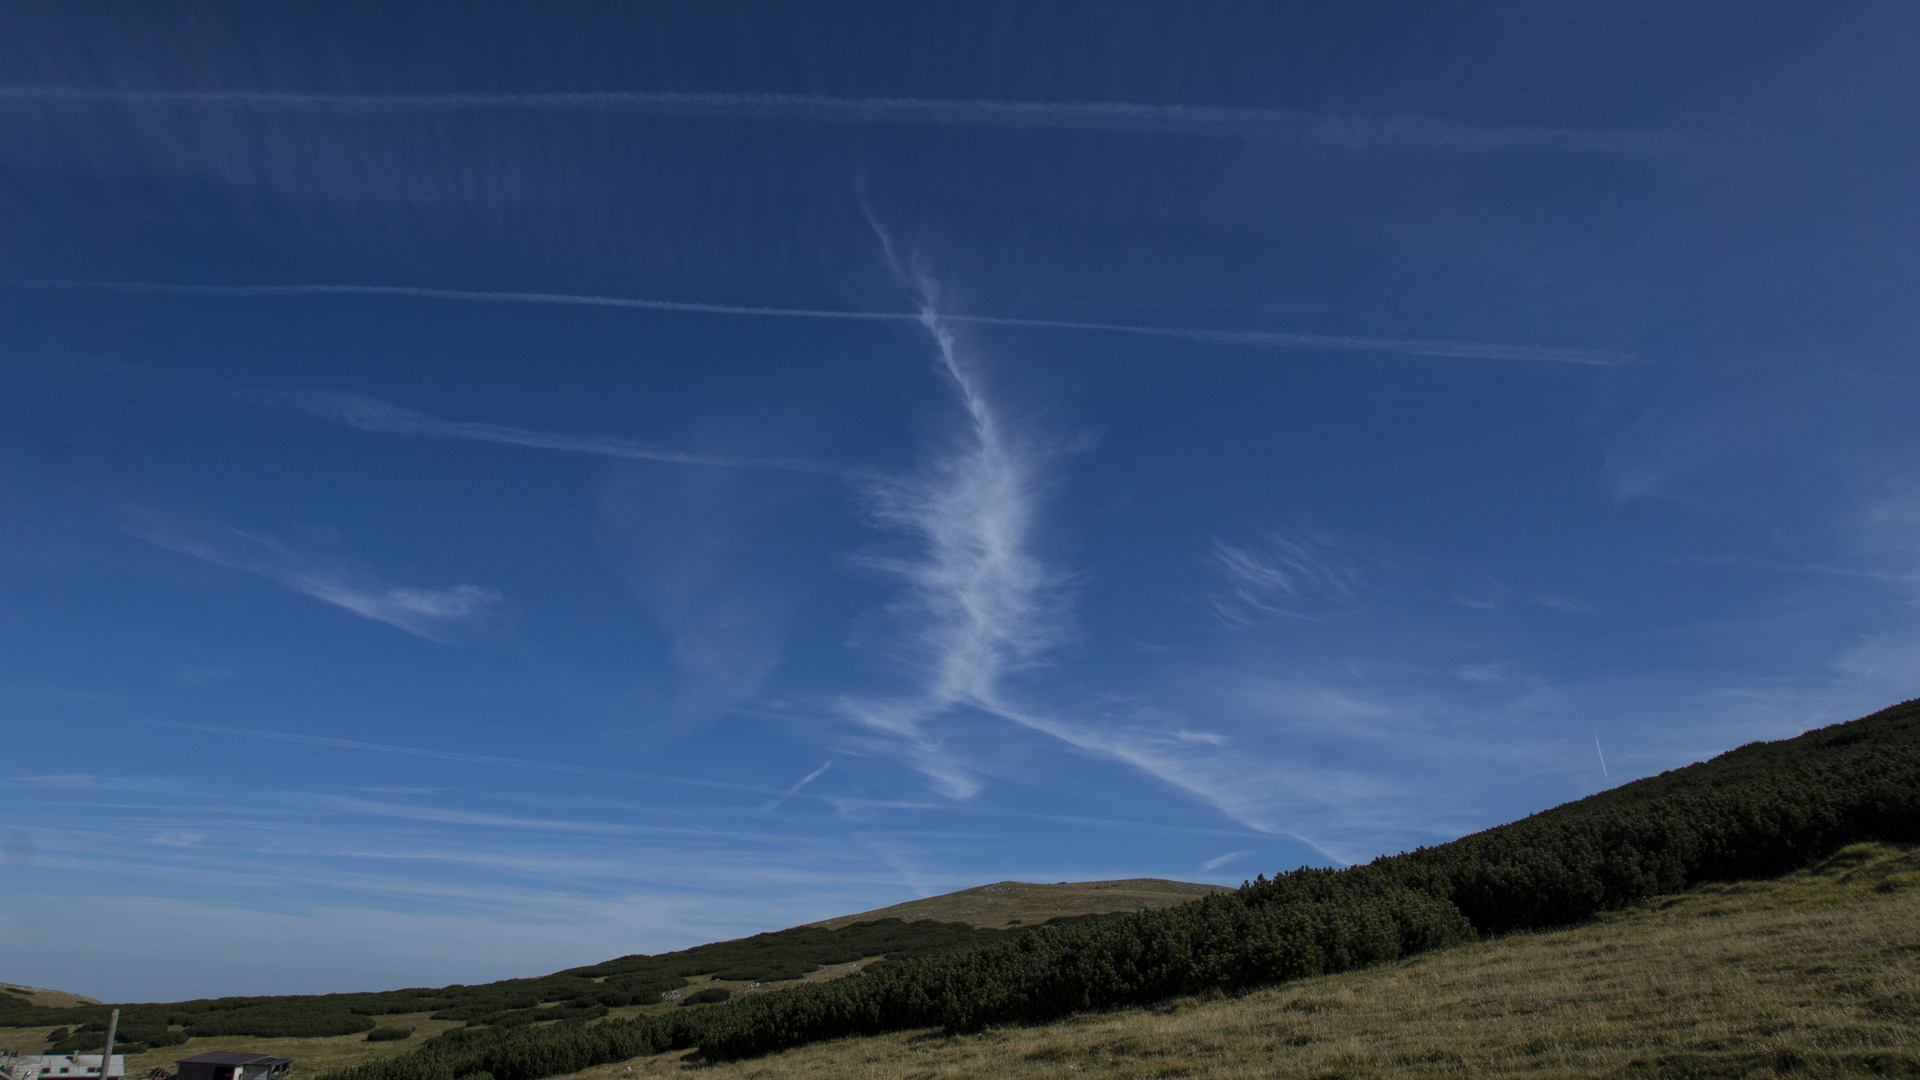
(978, 602)
(1297, 576)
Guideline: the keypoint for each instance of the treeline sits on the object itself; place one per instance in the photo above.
(584, 993)
(128, 1039)
(1757, 811)
(146, 1027)
(790, 954)
(1227, 942)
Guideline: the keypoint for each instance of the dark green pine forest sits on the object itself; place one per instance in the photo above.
(585, 993)
(1759, 811)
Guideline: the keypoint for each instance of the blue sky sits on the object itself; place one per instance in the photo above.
(485, 489)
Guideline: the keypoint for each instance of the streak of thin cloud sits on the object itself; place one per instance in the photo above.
(1217, 862)
(795, 789)
(1188, 771)
(441, 615)
(443, 816)
(1461, 350)
(1304, 131)
(470, 759)
(373, 414)
(478, 295)
(1453, 350)
(838, 801)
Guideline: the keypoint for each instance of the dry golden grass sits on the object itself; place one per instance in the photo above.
(52, 999)
(1817, 974)
(1013, 903)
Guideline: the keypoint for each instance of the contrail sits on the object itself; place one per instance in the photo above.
(795, 789)
(1603, 755)
(1216, 863)
(1467, 350)
(1304, 130)
(372, 414)
(1152, 828)
(1462, 350)
(461, 294)
(811, 777)
(470, 759)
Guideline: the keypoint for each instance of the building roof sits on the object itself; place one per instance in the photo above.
(221, 1057)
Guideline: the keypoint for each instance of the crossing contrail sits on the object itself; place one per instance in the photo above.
(1323, 132)
(1461, 350)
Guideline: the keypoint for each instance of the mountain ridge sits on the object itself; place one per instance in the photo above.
(1005, 904)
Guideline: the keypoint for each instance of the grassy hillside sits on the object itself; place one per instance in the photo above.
(1816, 974)
(1023, 903)
(53, 999)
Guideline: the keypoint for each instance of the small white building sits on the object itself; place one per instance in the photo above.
(60, 1066)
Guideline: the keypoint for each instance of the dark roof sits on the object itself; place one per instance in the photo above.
(221, 1057)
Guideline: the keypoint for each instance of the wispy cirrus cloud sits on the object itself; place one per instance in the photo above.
(447, 615)
(1301, 131)
(1295, 575)
(978, 602)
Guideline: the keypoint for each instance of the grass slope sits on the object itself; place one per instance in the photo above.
(1816, 974)
(52, 999)
(1021, 903)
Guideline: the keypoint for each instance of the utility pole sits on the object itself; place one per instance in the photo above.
(106, 1059)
